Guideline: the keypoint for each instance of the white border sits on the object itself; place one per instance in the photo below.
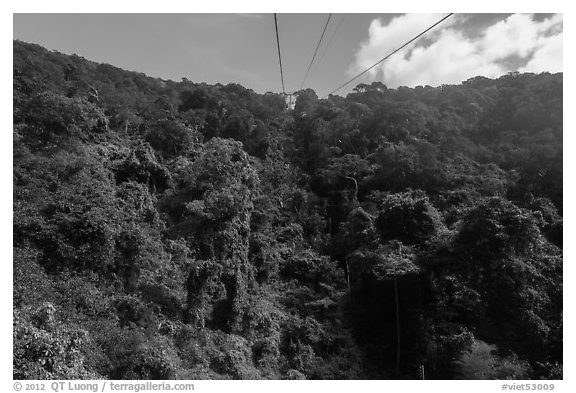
(307, 6)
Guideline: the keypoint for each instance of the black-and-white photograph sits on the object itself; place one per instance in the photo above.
(288, 196)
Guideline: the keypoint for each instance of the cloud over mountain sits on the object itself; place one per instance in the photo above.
(453, 52)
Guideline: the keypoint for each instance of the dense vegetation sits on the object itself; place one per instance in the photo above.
(180, 230)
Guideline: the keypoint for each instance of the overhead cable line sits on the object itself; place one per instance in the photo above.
(327, 45)
(384, 58)
(279, 55)
(316, 51)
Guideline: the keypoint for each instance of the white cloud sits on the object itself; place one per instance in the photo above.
(547, 57)
(450, 56)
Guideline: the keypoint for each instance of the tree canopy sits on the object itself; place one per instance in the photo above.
(180, 230)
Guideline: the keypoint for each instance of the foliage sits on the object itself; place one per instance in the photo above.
(180, 230)
(408, 217)
(482, 362)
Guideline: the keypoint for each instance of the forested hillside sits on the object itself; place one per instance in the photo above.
(179, 230)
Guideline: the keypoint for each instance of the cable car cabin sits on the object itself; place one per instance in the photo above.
(289, 102)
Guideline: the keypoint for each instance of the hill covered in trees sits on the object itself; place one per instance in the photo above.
(181, 230)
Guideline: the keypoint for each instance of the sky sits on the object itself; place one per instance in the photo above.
(242, 48)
